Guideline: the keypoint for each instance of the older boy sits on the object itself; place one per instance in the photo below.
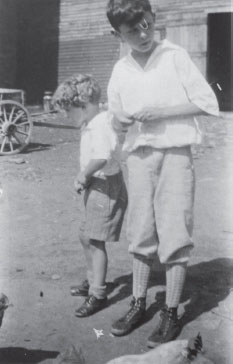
(105, 196)
(156, 90)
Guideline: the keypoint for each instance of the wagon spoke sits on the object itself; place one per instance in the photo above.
(4, 113)
(11, 145)
(21, 132)
(22, 124)
(17, 139)
(18, 116)
(11, 114)
(3, 143)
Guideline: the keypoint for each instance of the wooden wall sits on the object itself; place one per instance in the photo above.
(86, 44)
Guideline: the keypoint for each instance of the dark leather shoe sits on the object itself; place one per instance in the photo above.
(168, 328)
(133, 317)
(90, 306)
(80, 290)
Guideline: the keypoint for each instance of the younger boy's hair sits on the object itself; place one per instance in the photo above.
(128, 12)
(77, 91)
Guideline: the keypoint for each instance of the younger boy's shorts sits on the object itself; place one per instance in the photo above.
(161, 196)
(105, 203)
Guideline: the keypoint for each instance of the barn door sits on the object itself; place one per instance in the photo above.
(37, 49)
(219, 58)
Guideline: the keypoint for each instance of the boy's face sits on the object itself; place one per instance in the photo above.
(77, 115)
(139, 37)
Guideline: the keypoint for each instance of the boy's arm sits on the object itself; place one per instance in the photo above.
(121, 119)
(158, 113)
(200, 97)
(83, 177)
(93, 166)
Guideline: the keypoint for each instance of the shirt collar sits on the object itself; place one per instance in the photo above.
(162, 46)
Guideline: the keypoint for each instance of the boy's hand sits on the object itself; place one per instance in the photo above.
(80, 183)
(78, 187)
(148, 114)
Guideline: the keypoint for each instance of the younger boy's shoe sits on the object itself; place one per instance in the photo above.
(90, 306)
(80, 290)
(168, 328)
(133, 317)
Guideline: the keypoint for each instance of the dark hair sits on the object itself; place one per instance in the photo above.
(128, 12)
(77, 91)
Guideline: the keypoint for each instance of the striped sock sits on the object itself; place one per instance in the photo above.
(175, 277)
(141, 275)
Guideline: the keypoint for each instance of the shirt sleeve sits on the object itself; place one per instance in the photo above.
(114, 100)
(100, 143)
(197, 89)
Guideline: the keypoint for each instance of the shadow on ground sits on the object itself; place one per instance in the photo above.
(21, 355)
(207, 284)
(36, 147)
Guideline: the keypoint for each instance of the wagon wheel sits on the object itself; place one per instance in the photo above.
(15, 127)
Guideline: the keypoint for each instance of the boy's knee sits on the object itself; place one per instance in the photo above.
(97, 244)
(83, 239)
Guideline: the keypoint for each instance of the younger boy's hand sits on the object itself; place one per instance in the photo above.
(78, 187)
(122, 121)
(80, 183)
(82, 179)
(148, 114)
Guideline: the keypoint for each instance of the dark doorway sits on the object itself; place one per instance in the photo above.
(219, 59)
(37, 60)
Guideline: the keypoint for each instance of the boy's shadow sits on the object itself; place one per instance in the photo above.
(207, 284)
(13, 355)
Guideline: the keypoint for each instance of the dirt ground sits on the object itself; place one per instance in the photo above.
(40, 255)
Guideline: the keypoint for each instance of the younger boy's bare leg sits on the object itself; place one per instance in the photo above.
(88, 256)
(99, 268)
(82, 289)
(97, 293)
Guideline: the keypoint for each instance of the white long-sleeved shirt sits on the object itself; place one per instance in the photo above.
(169, 78)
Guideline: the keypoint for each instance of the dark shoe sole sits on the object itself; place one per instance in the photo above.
(75, 291)
(152, 344)
(91, 311)
(162, 340)
(119, 332)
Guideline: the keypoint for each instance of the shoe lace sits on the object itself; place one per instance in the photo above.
(168, 321)
(134, 308)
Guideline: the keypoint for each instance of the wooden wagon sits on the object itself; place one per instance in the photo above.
(15, 122)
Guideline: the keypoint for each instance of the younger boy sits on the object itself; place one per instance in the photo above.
(105, 196)
(156, 90)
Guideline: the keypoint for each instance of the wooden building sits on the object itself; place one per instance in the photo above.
(44, 41)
